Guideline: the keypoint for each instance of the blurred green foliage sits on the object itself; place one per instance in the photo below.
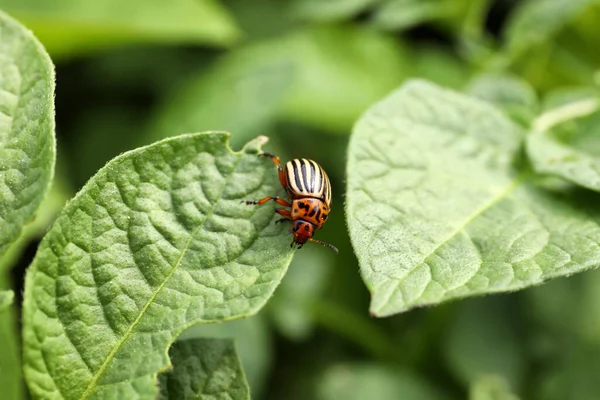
(302, 72)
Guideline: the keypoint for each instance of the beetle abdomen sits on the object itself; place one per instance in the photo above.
(306, 178)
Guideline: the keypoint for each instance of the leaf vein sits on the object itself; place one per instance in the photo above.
(509, 188)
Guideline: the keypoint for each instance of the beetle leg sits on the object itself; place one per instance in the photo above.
(271, 156)
(275, 159)
(262, 201)
(285, 213)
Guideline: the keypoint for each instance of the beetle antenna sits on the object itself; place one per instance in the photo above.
(328, 245)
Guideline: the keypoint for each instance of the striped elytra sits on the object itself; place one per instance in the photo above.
(306, 178)
(309, 189)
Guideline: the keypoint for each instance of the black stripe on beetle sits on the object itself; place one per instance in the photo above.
(298, 177)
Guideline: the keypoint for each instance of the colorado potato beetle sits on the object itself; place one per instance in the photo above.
(309, 189)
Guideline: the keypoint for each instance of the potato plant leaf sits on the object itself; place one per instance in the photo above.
(252, 344)
(204, 369)
(245, 88)
(155, 242)
(490, 387)
(404, 14)
(377, 381)
(439, 206)
(74, 26)
(331, 10)
(512, 95)
(26, 127)
(534, 22)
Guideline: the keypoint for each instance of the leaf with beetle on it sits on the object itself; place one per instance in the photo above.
(204, 368)
(155, 242)
(440, 205)
(26, 127)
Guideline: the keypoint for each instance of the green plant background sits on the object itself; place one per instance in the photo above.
(302, 72)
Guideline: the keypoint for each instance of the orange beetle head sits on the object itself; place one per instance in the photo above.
(302, 231)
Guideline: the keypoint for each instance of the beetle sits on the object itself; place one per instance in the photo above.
(309, 189)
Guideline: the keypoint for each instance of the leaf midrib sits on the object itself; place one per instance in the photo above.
(91, 388)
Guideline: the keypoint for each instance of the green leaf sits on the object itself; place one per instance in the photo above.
(26, 127)
(331, 10)
(155, 242)
(490, 387)
(241, 93)
(535, 22)
(439, 66)
(465, 15)
(439, 207)
(514, 96)
(204, 369)
(483, 339)
(374, 381)
(571, 152)
(294, 76)
(338, 69)
(252, 342)
(68, 27)
(260, 19)
(404, 14)
(6, 299)
(340, 72)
